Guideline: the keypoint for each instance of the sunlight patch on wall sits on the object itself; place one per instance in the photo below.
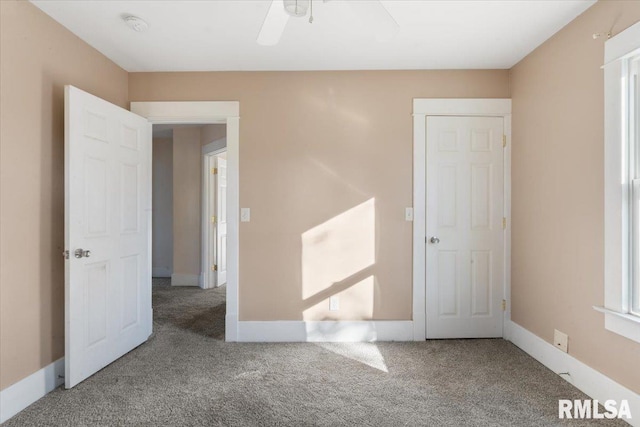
(356, 302)
(333, 255)
(329, 104)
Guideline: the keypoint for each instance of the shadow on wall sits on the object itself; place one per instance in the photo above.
(51, 170)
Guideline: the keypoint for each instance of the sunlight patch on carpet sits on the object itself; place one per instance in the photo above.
(363, 352)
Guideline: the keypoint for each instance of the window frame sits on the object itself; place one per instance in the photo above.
(622, 314)
(633, 64)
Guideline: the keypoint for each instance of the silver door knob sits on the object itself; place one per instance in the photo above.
(80, 253)
(434, 240)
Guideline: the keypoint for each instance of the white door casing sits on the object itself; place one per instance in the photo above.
(464, 227)
(205, 112)
(107, 213)
(221, 221)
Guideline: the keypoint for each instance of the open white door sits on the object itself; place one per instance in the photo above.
(209, 222)
(221, 223)
(465, 236)
(107, 233)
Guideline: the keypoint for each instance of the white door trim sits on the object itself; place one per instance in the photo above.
(451, 107)
(211, 112)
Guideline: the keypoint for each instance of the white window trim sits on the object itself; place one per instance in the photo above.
(616, 215)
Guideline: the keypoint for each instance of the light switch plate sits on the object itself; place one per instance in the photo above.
(408, 214)
(561, 340)
(245, 214)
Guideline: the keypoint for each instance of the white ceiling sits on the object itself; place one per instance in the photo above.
(219, 35)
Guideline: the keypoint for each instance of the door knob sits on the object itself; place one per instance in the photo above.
(80, 253)
(434, 240)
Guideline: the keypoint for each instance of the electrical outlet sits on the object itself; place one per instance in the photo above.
(245, 215)
(561, 340)
(408, 214)
(334, 303)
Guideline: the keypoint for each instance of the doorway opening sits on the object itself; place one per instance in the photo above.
(212, 112)
(189, 227)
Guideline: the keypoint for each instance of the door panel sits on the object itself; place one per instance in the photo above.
(108, 213)
(464, 212)
(221, 225)
(448, 296)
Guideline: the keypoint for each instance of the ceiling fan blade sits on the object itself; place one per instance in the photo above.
(373, 12)
(273, 25)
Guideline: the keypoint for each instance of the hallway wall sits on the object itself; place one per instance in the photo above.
(187, 213)
(162, 250)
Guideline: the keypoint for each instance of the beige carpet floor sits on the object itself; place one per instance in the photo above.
(186, 375)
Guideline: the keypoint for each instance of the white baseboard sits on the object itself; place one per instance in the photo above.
(586, 379)
(160, 272)
(18, 396)
(185, 279)
(325, 331)
(231, 330)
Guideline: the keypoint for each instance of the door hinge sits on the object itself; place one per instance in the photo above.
(504, 305)
(214, 171)
(65, 254)
(504, 223)
(213, 219)
(504, 141)
(214, 267)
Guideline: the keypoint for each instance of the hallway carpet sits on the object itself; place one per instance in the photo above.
(186, 375)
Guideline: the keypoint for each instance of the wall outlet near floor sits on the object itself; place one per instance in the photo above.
(561, 340)
(334, 303)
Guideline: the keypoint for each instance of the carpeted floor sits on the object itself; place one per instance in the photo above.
(186, 375)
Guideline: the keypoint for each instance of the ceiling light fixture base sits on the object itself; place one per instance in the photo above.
(136, 24)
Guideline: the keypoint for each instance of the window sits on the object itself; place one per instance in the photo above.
(634, 180)
(622, 184)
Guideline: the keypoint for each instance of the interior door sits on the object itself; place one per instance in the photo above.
(209, 221)
(465, 236)
(107, 233)
(221, 224)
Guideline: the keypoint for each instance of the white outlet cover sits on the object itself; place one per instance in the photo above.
(408, 214)
(245, 214)
(334, 303)
(561, 340)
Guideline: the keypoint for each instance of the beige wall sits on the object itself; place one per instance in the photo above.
(162, 251)
(325, 157)
(316, 168)
(37, 58)
(212, 133)
(557, 256)
(187, 214)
